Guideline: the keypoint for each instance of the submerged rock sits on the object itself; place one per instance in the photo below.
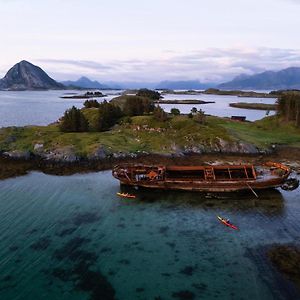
(286, 258)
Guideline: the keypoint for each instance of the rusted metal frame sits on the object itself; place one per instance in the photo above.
(229, 172)
(246, 172)
(253, 172)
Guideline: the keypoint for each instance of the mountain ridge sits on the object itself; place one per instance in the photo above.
(85, 82)
(288, 78)
(26, 76)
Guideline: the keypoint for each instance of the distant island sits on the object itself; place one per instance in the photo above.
(183, 102)
(185, 92)
(258, 106)
(86, 95)
(239, 93)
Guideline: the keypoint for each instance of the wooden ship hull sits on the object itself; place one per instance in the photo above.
(212, 178)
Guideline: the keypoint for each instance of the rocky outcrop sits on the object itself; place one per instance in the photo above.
(26, 76)
(219, 146)
(17, 154)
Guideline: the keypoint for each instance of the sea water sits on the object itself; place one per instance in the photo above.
(45, 107)
(72, 237)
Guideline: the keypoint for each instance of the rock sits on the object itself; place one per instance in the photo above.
(65, 154)
(248, 148)
(18, 154)
(38, 147)
(99, 153)
(10, 139)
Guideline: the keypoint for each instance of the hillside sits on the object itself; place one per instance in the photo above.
(85, 83)
(269, 80)
(26, 76)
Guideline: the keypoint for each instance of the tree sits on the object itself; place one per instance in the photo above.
(137, 106)
(200, 117)
(194, 110)
(159, 114)
(108, 115)
(73, 121)
(175, 111)
(91, 103)
(289, 107)
(154, 95)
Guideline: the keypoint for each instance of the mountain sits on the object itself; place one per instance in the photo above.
(86, 83)
(183, 85)
(26, 76)
(270, 80)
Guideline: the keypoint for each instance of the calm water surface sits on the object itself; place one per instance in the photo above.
(71, 237)
(221, 106)
(45, 107)
(38, 107)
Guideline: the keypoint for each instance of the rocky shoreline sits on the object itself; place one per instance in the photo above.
(18, 163)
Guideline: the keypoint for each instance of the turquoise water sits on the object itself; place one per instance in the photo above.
(71, 237)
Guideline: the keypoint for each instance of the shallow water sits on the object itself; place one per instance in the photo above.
(71, 237)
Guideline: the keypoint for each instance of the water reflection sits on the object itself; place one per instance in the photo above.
(269, 201)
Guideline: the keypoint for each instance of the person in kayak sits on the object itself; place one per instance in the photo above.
(228, 221)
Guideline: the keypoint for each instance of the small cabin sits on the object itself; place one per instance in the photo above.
(238, 118)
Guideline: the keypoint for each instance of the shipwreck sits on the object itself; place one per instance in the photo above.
(206, 178)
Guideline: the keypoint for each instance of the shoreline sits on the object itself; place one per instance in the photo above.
(13, 167)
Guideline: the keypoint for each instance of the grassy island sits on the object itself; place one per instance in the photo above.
(144, 133)
(256, 106)
(239, 93)
(191, 101)
(132, 127)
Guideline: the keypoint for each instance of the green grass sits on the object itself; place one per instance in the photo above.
(262, 133)
(153, 136)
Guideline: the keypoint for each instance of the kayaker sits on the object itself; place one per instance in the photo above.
(228, 221)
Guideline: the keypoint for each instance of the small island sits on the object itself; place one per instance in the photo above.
(239, 93)
(188, 92)
(183, 101)
(255, 106)
(87, 95)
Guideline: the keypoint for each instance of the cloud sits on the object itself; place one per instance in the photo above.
(207, 65)
(79, 63)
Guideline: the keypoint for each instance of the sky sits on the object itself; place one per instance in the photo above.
(139, 40)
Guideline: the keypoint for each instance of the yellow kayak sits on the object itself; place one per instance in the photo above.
(126, 195)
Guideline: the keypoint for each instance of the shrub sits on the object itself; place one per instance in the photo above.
(148, 94)
(175, 111)
(159, 114)
(137, 106)
(289, 107)
(109, 114)
(73, 121)
(91, 103)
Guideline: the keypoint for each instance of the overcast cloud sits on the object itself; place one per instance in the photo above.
(209, 65)
(150, 40)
